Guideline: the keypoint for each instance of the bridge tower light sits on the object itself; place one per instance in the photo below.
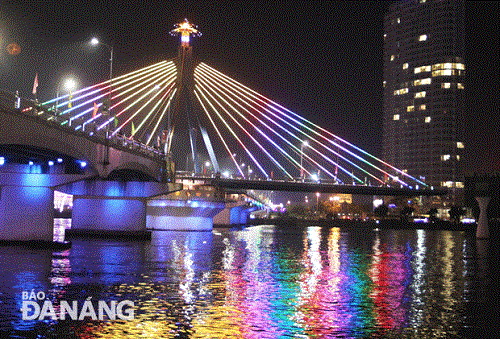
(185, 30)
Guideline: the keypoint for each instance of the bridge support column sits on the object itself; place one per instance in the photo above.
(482, 230)
(108, 214)
(182, 215)
(233, 215)
(26, 213)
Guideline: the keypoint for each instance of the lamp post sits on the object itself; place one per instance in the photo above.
(94, 42)
(69, 85)
(207, 165)
(302, 145)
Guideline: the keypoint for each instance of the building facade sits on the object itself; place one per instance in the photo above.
(424, 74)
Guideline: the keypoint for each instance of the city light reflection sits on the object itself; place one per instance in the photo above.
(258, 282)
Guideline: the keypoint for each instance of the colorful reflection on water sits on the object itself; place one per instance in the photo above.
(259, 282)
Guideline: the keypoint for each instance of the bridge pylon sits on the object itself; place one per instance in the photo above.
(184, 115)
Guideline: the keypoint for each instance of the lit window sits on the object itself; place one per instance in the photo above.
(460, 85)
(460, 144)
(383, 84)
(395, 117)
(426, 81)
(448, 65)
(459, 184)
(422, 69)
(443, 72)
(423, 37)
(420, 94)
(405, 65)
(393, 57)
(445, 157)
(427, 119)
(398, 20)
(447, 183)
(422, 107)
(410, 108)
(401, 91)
(445, 85)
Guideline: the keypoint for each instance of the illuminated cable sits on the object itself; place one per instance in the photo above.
(322, 129)
(251, 137)
(107, 81)
(162, 115)
(168, 81)
(219, 134)
(305, 155)
(115, 89)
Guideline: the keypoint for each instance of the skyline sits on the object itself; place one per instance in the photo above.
(280, 50)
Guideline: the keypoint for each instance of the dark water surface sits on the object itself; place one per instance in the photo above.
(262, 282)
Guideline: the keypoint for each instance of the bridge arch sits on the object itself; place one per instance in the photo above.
(102, 160)
(132, 171)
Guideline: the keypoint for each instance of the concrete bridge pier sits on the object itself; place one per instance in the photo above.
(482, 231)
(26, 213)
(182, 215)
(108, 214)
(233, 214)
(112, 208)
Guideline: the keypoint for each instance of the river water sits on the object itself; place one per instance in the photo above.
(259, 282)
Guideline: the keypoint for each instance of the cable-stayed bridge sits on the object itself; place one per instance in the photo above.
(182, 116)
(209, 123)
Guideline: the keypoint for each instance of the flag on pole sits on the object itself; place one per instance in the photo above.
(133, 129)
(94, 112)
(35, 84)
(116, 122)
(69, 100)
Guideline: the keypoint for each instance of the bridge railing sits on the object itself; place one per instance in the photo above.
(11, 102)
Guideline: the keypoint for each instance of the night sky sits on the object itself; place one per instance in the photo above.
(322, 60)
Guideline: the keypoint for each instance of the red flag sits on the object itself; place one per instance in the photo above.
(95, 110)
(35, 83)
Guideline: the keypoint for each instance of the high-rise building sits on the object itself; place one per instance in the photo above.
(423, 84)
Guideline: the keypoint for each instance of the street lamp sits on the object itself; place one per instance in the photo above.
(317, 201)
(207, 165)
(95, 42)
(69, 85)
(302, 145)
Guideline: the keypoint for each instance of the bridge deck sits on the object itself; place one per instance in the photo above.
(296, 186)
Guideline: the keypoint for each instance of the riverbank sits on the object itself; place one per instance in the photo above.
(372, 224)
